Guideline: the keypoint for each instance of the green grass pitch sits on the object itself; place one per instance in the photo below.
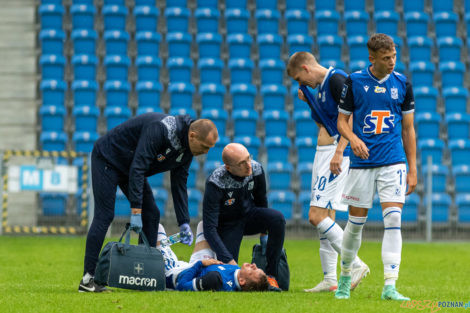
(41, 274)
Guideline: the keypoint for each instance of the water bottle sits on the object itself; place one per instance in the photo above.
(168, 241)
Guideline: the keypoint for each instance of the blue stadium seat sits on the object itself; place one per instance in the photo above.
(420, 48)
(116, 42)
(459, 151)
(325, 5)
(51, 16)
(462, 178)
(357, 65)
(219, 117)
(239, 46)
(330, 47)
(52, 117)
(84, 92)
(114, 2)
(52, 66)
(236, 20)
(306, 148)
(297, 21)
(117, 93)
(240, 4)
(269, 46)
(53, 92)
(84, 67)
(387, 22)
(375, 213)
(439, 177)
(433, 148)
(56, 2)
(114, 17)
(122, 205)
(83, 16)
(148, 94)
(148, 68)
(178, 3)
(146, 18)
(445, 24)
(304, 202)
(425, 99)
(212, 96)
(458, 125)
(455, 99)
(252, 143)
(207, 20)
(183, 111)
(358, 48)
(411, 208)
(275, 122)
(86, 118)
(299, 43)
(52, 41)
(267, 21)
(449, 48)
(209, 45)
(277, 148)
(180, 69)
(440, 207)
(304, 124)
(467, 17)
(398, 46)
(144, 110)
(193, 173)
(416, 24)
(299, 105)
(179, 44)
(428, 124)
(84, 141)
(296, 5)
(53, 141)
(442, 6)
(181, 95)
(215, 153)
(244, 122)
(272, 71)
(280, 175)
(452, 73)
(144, 2)
(161, 197)
(53, 204)
(266, 4)
(211, 165)
(413, 6)
(463, 207)
(304, 172)
(357, 5)
(148, 43)
(332, 63)
(210, 70)
(400, 67)
(422, 73)
(84, 41)
(241, 70)
(384, 5)
(194, 200)
(327, 22)
(282, 201)
(116, 115)
(356, 22)
(243, 96)
(116, 67)
(177, 19)
(273, 97)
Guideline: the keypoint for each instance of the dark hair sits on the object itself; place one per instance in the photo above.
(256, 285)
(379, 42)
(203, 127)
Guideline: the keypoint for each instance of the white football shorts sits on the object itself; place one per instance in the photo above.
(327, 188)
(390, 182)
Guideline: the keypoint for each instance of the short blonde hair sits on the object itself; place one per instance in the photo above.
(297, 60)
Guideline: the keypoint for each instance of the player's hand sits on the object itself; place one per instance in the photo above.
(136, 222)
(335, 163)
(208, 262)
(186, 234)
(232, 262)
(359, 148)
(301, 95)
(411, 181)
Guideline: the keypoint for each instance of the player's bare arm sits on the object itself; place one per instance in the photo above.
(409, 144)
(358, 147)
(335, 164)
(209, 262)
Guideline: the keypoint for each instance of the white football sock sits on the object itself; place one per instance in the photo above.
(86, 278)
(391, 244)
(161, 233)
(351, 243)
(328, 258)
(200, 233)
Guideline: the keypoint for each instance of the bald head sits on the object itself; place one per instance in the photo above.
(237, 159)
(232, 151)
(297, 60)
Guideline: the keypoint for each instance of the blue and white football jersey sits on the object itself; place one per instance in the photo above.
(377, 107)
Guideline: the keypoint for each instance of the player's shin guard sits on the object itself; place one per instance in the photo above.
(328, 258)
(200, 233)
(391, 244)
(351, 243)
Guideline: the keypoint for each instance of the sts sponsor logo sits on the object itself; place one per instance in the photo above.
(378, 122)
(379, 89)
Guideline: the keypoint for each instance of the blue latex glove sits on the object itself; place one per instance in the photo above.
(186, 234)
(136, 222)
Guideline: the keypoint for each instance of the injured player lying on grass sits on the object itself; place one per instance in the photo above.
(204, 272)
